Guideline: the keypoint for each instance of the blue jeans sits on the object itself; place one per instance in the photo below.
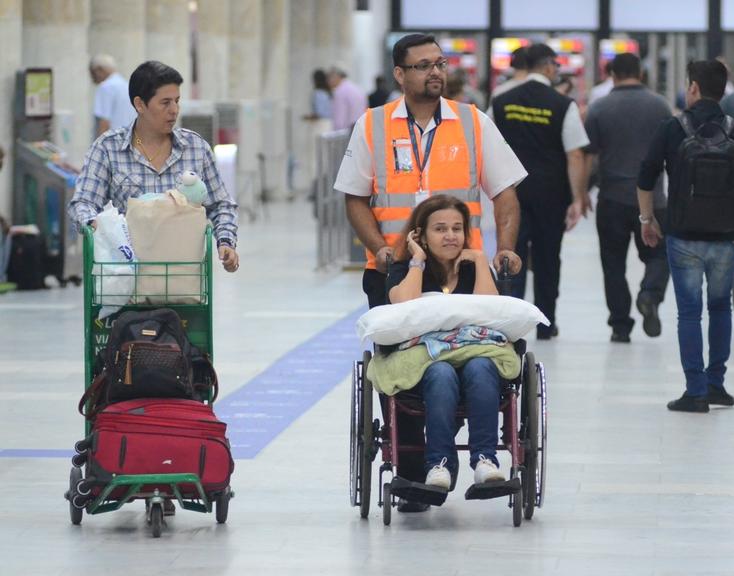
(689, 262)
(478, 383)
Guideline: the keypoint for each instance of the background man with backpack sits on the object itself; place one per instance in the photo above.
(697, 151)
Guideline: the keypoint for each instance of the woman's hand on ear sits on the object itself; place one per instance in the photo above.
(414, 248)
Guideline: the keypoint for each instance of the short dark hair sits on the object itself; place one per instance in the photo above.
(400, 50)
(150, 76)
(711, 77)
(625, 66)
(519, 59)
(538, 54)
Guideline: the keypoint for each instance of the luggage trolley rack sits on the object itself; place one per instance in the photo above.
(85, 492)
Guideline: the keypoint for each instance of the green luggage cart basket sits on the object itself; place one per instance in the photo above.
(185, 287)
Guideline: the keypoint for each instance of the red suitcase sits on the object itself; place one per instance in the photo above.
(160, 436)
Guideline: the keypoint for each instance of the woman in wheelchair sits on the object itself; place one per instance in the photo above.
(434, 255)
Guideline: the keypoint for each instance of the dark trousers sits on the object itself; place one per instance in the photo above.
(410, 428)
(615, 223)
(540, 236)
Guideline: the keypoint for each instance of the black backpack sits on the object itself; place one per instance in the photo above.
(148, 355)
(701, 192)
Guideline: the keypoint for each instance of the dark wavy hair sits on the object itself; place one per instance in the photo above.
(419, 219)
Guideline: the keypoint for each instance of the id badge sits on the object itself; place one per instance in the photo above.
(403, 153)
(421, 195)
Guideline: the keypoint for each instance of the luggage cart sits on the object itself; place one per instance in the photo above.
(85, 494)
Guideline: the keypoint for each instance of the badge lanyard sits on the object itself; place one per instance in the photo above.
(416, 149)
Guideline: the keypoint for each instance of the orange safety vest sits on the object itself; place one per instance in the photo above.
(454, 167)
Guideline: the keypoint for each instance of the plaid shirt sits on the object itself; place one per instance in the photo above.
(115, 170)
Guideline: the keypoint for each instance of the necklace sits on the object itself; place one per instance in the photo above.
(139, 142)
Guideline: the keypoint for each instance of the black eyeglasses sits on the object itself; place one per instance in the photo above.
(424, 66)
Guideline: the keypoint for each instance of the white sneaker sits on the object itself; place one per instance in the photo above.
(439, 476)
(486, 471)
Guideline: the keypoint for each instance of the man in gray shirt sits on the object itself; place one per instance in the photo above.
(620, 127)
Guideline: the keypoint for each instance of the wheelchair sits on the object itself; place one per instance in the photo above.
(523, 434)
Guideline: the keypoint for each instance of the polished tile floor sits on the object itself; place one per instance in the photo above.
(632, 488)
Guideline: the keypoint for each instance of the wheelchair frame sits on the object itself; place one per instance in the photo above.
(524, 435)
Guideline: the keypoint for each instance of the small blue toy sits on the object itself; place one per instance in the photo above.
(193, 188)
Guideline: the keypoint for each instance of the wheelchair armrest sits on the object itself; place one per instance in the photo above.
(520, 346)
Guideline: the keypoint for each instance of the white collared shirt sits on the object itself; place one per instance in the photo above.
(500, 166)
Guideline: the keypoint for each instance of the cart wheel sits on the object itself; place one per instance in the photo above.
(516, 505)
(83, 488)
(82, 446)
(222, 505)
(74, 513)
(156, 520)
(386, 504)
(529, 418)
(366, 439)
(79, 460)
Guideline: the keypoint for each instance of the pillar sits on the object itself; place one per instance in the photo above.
(168, 37)
(11, 20)
(325, 35)
(275, 97)
(245, 49)
(55, 36)
(117, 28)
(213, 49)
(302, 64)
(244, 84)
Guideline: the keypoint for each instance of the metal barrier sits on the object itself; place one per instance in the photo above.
(337, 243)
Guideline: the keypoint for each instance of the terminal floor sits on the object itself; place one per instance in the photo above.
(632, 489)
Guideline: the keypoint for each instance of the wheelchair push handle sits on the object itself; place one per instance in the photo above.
(504, 283)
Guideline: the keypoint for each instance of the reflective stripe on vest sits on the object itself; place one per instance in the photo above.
(407, 200)
(396, 226)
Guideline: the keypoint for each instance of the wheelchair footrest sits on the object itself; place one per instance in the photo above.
(496, 489)
(417, 492)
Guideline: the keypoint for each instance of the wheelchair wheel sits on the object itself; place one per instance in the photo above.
(354, 454)
(360, 449)
(366, 439)
(386, 503)
(517, 507)
(543, 446)
(529, 417)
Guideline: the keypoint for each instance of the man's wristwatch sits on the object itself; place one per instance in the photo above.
(644, 220)
(415, 263)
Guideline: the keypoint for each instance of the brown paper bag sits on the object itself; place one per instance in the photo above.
(168, 229)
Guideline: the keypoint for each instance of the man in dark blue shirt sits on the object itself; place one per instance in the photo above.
(693, 254)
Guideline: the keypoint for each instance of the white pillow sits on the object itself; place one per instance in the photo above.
(397, 323)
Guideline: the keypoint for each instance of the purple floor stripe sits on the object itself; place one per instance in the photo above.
(259, 411)
(35, 453)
